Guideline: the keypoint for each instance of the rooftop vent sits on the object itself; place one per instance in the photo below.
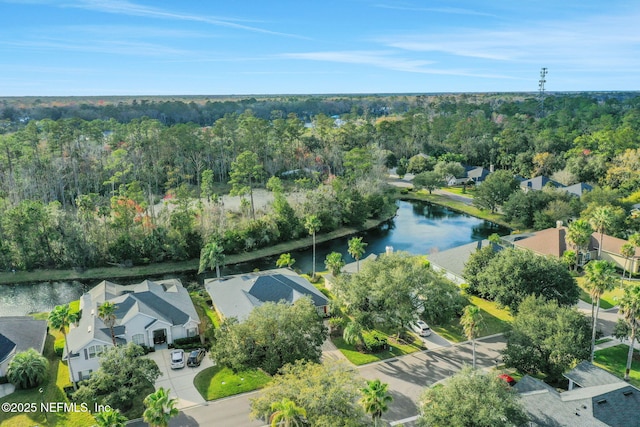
(628, 392)
(601, 401)
(89, 328)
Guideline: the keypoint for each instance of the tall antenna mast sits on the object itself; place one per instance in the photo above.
(541, 82)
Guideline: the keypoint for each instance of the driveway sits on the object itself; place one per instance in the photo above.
(179, 381)
(435, 341)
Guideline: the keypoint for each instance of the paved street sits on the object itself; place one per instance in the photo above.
(407, 376)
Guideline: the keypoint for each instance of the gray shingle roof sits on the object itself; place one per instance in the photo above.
(453, 260)
(6, 347)
(236, 296)
(25, 331)
(608, 401)
(538, 183)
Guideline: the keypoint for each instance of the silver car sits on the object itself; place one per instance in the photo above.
(177, 359)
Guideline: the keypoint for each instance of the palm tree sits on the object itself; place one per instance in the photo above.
(112, 418)
(287, 414)
(160, 408)
(601, 277)
(356, 250)
(352, 333)
(601, 219)
(579, 234)
(212, 255)
(28, 369)
(107, 312)
(375, 399)
(285, 260)
(60, 319)
(472, 322)
(334, 263)
(312, 224)
(630, 309)
(627, 251)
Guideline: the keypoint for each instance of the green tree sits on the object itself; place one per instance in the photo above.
(212, 255)
(207, 187)
(476, 263)
(375, 399)
(107, 312)
(313, 224)
(285, 260)
(601, 277)
(334, 263)
(111, 418)
(272, 336)
(246, 170)
(28, 369)
(60, 318)
(630, 310)
(356, 250)
(472, 323)
(471, 398)
(495, 190)
(329, 392)
(579, 235)
(353, 334)
(160, 408)
(546, 338)
(430, 180)
(123, 375)
(627, 251)
(513, 274)
(287, 414)
(601, 219)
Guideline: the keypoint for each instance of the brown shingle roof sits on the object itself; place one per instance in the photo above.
(546, 242)
(610, 244)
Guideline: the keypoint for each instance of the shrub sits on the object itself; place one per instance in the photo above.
(375, 342)
(181, 342)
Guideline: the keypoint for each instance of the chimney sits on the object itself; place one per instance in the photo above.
(559, 224)
(388, 250)
(491, 168)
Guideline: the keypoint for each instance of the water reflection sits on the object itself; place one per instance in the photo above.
(418, 228)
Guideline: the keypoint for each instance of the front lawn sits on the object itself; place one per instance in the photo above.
(396, 348)
(608, 300)
(496, 320)
(614, 360)
(53, 391)
(217, 382)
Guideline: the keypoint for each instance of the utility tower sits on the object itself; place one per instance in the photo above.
(541, 82)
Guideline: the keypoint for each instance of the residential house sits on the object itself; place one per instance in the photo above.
(451, 262)
(553, 241)
(18, 334)
(148, 313)
(539, 182)
(237, 295)
(475, 174)
(595, 398)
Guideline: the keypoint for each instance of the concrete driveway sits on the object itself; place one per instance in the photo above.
(179, 381)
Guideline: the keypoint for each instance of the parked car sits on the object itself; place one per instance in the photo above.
(421, 328)
(177, 359)
(195, 357)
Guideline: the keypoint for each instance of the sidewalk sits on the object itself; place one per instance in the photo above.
(614, 342)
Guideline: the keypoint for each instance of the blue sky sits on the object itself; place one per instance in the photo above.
(199, 47)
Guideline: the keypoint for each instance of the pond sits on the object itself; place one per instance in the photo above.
(418, 228)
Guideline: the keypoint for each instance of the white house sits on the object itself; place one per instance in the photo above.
(148, 313)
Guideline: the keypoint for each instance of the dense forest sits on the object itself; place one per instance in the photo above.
(92, 182)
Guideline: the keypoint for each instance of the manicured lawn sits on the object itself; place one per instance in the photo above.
(469, 192)
(396, 349)
(53, 392)
(204, 310)
(608, 300)
(496, 320)
(217, 382)
(614, 360)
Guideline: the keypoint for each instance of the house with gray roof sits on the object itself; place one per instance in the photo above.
(351, 268)
(538, 183)
(595, 398)
(18, 334)
(237, 295)
(148, 313)
(452, 261)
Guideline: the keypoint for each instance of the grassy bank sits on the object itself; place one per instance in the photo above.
(191, 266)
(456, 206)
